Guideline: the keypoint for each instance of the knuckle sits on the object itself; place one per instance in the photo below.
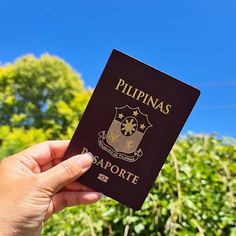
(40, 185)
(65, 201)
(45, 143)
(68, 168)
(78, 199)
(38, 181)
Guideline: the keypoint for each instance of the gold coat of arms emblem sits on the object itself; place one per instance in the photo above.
(125, 133)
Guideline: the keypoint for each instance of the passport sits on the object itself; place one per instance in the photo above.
(130, 124)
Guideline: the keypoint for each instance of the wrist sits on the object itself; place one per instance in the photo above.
(13, 229)
(6, 228)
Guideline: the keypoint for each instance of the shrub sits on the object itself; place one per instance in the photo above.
(194, 194)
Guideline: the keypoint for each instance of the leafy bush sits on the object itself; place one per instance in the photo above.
(195, 194)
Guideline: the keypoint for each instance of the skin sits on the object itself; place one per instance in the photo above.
(36, 183)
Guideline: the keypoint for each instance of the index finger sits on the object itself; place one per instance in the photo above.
(46, 152)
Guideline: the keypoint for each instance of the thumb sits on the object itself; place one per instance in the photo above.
(65, 172)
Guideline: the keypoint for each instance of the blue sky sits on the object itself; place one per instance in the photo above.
(194, 41)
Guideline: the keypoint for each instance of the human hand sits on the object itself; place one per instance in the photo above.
(36, 183)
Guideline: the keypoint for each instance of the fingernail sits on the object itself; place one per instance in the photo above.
(100, 195)
(85, 160)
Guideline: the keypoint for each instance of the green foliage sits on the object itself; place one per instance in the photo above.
(44, 93)
(17, 139)
(195, 194)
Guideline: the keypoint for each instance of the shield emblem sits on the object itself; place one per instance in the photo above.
(127, 129)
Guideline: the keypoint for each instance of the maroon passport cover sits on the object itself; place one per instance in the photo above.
(130, 125)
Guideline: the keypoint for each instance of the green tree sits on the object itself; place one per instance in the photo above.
(44, 93)
(16, 139)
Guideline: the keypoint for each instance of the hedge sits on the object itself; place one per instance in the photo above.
(194, 194)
